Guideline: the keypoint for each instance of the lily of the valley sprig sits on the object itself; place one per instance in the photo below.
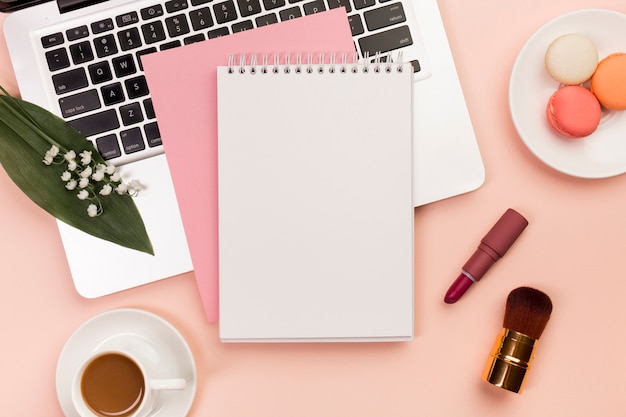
(61, 171)
(90, 180)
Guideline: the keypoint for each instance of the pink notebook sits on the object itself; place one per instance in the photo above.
(186, 107)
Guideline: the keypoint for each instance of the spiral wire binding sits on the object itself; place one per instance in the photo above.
(242, 63)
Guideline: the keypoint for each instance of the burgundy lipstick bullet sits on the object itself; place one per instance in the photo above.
(492, 247)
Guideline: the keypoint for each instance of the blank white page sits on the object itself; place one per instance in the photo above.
(315, 203)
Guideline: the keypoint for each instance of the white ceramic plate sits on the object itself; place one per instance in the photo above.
(603, 153)
(135, 330)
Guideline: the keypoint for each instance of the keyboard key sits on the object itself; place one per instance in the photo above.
(289, 14)
(132, 140)
(97, 123)
(126, 19)
(177, 25)
(249, 7)
(79, 103)
(386, 41)
(151, 12)
(384, 16)
(153, 32)
(314, 7)
(153, 136)
(52, 40)
(149, 107)
(108, 147)
(57, 59)
(416, 65)
(70, 81)
(273, 4)
(112, 94)
(193, 39)
(225, 11)
(170, 45)
(81, 52)
(129, 39)
(362, 4)
(136, 87)
(105, 46)
(265, 20)
(124, 65)
(131, 114)
(201, 18)
(216, 33)
(174, 6)
(199, 2)
(241, 26)
(77, 33)
(356, 24)
(334, 4)
(102, 26)
(100, 72)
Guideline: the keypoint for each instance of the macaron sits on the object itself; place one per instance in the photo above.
(609, 81)
(573, 111)
(571, 59)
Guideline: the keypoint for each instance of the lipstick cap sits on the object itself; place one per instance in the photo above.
(509, 360)
(505, 232)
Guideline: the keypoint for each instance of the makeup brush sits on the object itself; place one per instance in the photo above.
(527, 313)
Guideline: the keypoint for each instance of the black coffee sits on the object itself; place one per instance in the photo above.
(112, 385)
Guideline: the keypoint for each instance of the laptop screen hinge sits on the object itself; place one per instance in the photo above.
(69, 5)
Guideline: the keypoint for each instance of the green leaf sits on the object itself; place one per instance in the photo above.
(27, 131)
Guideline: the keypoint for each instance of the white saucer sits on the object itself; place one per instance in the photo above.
(135, 330)
(603, 153)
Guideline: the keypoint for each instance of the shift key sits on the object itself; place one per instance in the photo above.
(386, 41)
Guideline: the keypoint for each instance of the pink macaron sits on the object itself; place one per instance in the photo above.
(573, 111)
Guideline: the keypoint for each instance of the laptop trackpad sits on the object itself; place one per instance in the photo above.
(100, 267)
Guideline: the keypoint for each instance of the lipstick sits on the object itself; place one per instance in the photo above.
(492, 247)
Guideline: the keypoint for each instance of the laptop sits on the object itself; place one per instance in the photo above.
(81, 59)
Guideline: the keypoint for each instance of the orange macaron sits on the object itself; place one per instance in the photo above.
(573, 111)
(608, 82)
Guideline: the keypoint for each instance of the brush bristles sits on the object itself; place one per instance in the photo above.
(527, 311)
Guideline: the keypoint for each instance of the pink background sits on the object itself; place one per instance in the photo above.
(573, 250)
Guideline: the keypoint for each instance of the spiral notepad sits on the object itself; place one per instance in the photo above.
(315, 199)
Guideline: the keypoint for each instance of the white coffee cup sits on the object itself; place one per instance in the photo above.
(118, 383)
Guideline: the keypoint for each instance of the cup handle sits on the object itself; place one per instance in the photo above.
(168, 384)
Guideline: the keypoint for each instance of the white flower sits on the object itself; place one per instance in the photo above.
(83, 182)
(71, 165)
(92, 210)
(106, 190)
(101, 168)
(86, 173)
(53, 151)
(82, 195)
(116, 177)
(66, 176)
(47, 159)
(85, 157)
(134, 187)
(71, 184)
(122, 189)
(70, 155)
(110, 168)
(98, 175)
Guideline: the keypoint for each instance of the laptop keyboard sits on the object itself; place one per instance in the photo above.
(98, 79)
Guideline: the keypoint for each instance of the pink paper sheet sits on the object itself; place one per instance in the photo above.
(183, 85)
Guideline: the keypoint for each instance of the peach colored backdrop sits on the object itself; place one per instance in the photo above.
(573, 249)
